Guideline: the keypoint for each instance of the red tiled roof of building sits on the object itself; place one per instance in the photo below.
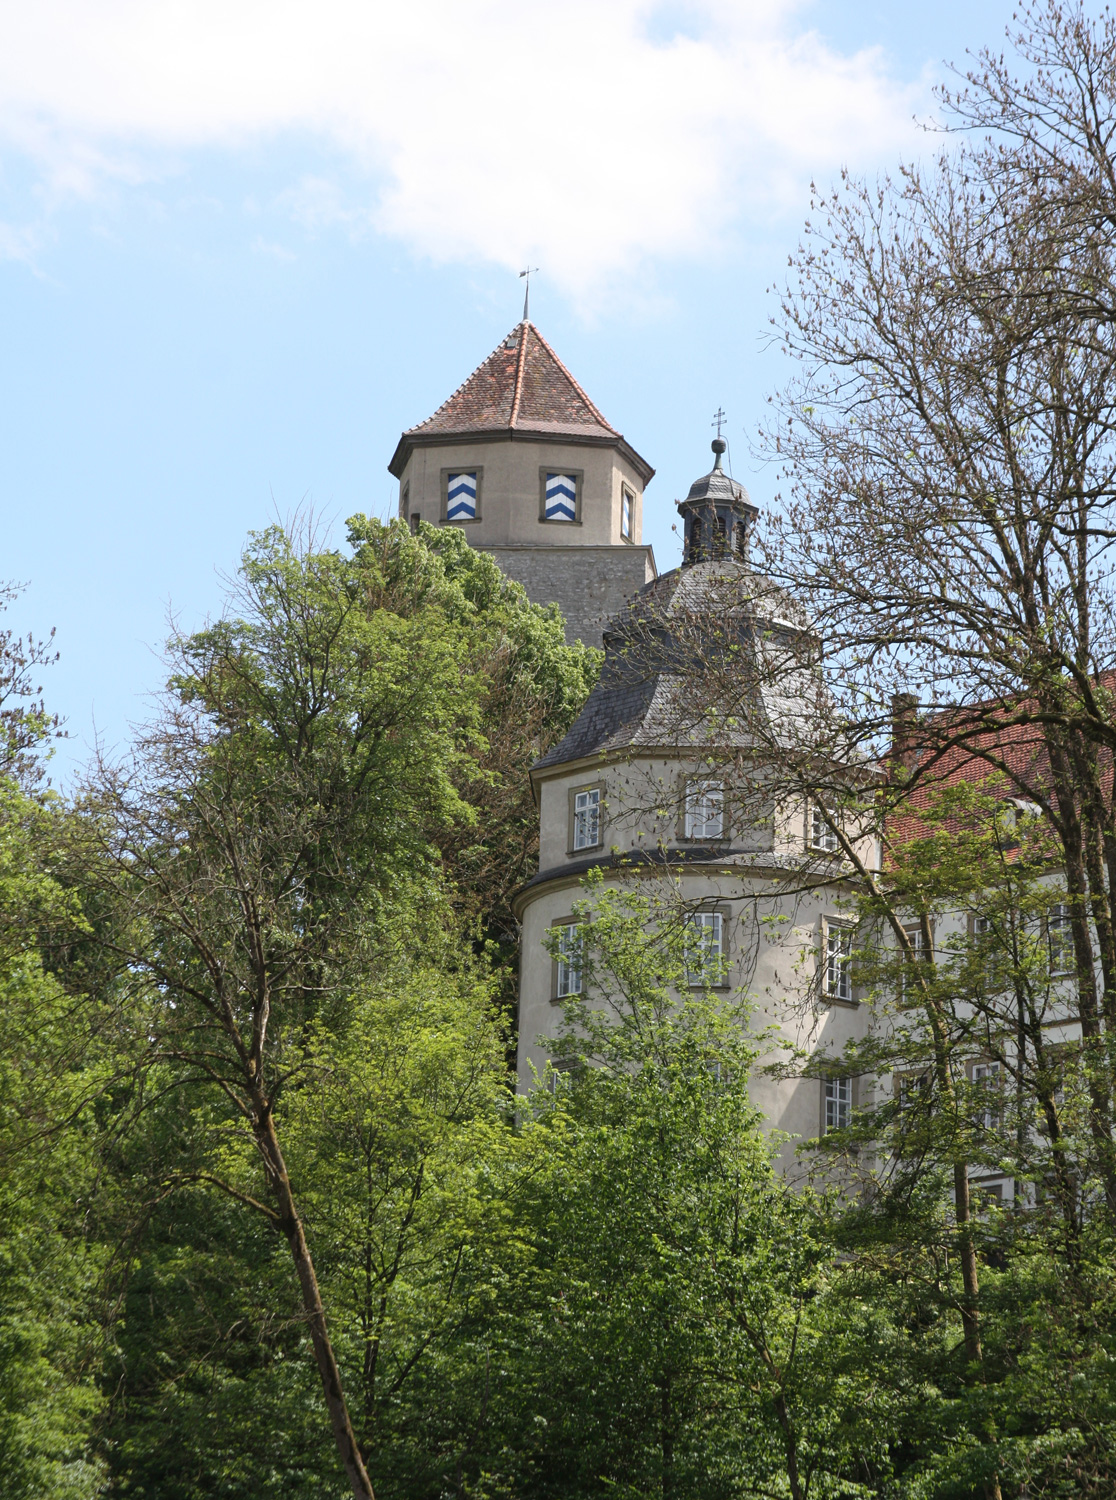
(520, 384)
(522, 388)
(967, 747)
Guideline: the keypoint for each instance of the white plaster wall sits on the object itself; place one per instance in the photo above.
(774, 945)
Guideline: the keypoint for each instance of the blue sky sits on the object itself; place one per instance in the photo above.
(242, 245)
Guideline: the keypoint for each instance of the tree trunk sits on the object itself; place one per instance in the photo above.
(291, 1225)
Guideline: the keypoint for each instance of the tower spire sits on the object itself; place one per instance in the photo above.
(525, 276)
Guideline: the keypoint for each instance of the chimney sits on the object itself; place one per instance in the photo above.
(903, 721)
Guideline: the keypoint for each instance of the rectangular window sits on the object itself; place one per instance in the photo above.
(912, 1089)
(415, 519)
(561, 497)
(705, 948)
(916, 955)
(587, 818)
(838, 961)
(705, 810)
(822, 837)
(569, 961)
(405, 500)
(461, 496)
(626, 504)
(1059, 936)
(838, 1103)
(986, 1078)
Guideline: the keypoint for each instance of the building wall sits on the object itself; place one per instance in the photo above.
(775, 937)
(588, 584)
(510, 494)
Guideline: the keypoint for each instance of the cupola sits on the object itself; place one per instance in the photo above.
(717, 514)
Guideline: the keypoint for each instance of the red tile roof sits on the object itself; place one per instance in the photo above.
(522, 388)
(958, 747)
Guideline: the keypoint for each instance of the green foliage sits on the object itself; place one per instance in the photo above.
(49, 1269)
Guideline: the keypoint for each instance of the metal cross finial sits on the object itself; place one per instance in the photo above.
(719, 419)
(528, 273)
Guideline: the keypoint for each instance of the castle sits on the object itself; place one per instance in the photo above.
(527, 465)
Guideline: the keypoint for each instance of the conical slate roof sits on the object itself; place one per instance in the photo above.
(521, 389)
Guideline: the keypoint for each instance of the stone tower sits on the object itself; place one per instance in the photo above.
(521, 460)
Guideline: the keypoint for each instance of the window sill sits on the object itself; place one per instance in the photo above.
(841, 1004)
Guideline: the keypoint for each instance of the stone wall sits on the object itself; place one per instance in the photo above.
(588, 584)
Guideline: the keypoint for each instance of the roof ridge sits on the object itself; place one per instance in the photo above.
(520, 366)
(592, 405)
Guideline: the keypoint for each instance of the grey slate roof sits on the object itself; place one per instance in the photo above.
(709, 655)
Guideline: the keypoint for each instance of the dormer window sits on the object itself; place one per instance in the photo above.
(560, 495)
(705, 810)
(822, 838)
(627, 505)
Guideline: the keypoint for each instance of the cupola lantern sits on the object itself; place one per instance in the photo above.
(717, 515)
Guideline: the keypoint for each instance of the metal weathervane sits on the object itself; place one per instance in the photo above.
(526, 275)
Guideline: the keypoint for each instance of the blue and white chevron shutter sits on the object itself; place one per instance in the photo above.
(561, 497)
(461, 497)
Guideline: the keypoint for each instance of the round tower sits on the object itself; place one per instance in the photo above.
(708, 672)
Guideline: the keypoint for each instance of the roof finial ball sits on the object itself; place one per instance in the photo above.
(717, 513)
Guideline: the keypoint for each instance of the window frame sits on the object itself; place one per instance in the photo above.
(696, 979)
(560, 961)
(627, 496)
(814, 814)
(578, 476)
(1064, 926)
(572, 847)
(478, 470)
(846, 927)
(717, 784)
(989, 1067)
(836, 1080)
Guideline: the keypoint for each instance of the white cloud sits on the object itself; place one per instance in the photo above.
(591, 136)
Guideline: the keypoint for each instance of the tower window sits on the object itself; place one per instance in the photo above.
(705, 948)
(695, 539)
(462, 488)
(568, 964)
(705, 810)
(560, 497)
(587, 818)
(627, 504)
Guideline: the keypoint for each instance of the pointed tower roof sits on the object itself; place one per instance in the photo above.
(521, 390)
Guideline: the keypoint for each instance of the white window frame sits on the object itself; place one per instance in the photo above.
(705, 809)
(990, 1119)
(837, 1102)
(627, 513)
(837, 976)
(569, 961)
(1059, 920)
(705, 948)
(587, 818)
(819, 835)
